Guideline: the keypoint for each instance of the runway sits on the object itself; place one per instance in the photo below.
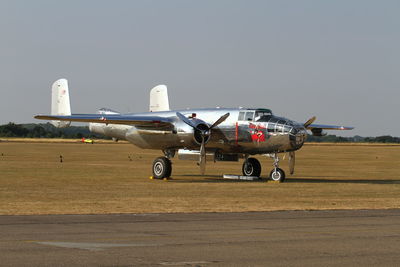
(287, 238)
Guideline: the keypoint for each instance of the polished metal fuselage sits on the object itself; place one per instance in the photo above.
(241, 133)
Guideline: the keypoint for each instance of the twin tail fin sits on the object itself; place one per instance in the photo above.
(60, 103)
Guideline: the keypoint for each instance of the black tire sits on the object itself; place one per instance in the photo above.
(162, 168)
(251, 167)
(277, 175)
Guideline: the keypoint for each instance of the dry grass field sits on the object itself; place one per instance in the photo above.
(114, 178)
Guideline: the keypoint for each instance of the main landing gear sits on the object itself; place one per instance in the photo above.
(252, 167)
(162, 166)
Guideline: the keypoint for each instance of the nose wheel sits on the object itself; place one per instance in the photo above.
(277, 174)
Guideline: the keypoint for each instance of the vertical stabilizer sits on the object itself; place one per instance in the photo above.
(159, 98)
(60, 104)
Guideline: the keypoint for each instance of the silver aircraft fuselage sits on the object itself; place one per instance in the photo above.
(245, 131)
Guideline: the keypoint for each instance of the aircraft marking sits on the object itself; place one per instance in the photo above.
(257, 134)
(236, 133)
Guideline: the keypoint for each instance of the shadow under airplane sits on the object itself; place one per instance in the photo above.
(310, 179)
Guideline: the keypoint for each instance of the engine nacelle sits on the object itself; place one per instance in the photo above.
(318, 132)
(190, 137)
(111, 130)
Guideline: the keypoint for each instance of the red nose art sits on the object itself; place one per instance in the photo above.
(258, 133)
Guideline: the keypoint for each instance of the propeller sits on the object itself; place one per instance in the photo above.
(310, 121)
(292, 159)
(185, 120)
(205, 131)
(292, 155)
(202, 160)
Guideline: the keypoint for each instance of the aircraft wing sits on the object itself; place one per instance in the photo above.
(141, 121)
(328, 127)
(317, 129)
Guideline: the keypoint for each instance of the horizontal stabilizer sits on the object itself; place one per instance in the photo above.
(107, 111)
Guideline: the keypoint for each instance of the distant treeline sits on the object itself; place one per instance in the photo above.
(46, 131)
(354, 139)
(49, 131)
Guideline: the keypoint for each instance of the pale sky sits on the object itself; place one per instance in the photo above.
(337, 60)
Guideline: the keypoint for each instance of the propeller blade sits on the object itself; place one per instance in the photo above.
(202, 162)
(220, 120)
(185, 120)
(311, 120)
(292, 159)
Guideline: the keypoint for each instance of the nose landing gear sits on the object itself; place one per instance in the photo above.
(252, 167)
(277, 174)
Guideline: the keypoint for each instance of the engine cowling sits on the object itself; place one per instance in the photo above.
(318, 132)
(189, 136)
(111, 130)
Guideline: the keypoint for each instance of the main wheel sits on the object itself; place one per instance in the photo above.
(277, 175)
(251, 167)
(162, 168)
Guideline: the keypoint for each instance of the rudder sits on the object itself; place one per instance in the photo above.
(60, 103)
(159, 98)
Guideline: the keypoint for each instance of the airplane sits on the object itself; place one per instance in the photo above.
(212, 134)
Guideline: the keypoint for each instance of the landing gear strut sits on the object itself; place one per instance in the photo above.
(251, 167)
(277, 174)
(162, 168)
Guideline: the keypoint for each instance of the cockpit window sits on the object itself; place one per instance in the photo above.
(287, 128)
(263, 115)
(241, 116)
(279, 128)
(263, 112)
(271, 127)
(249, 116)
